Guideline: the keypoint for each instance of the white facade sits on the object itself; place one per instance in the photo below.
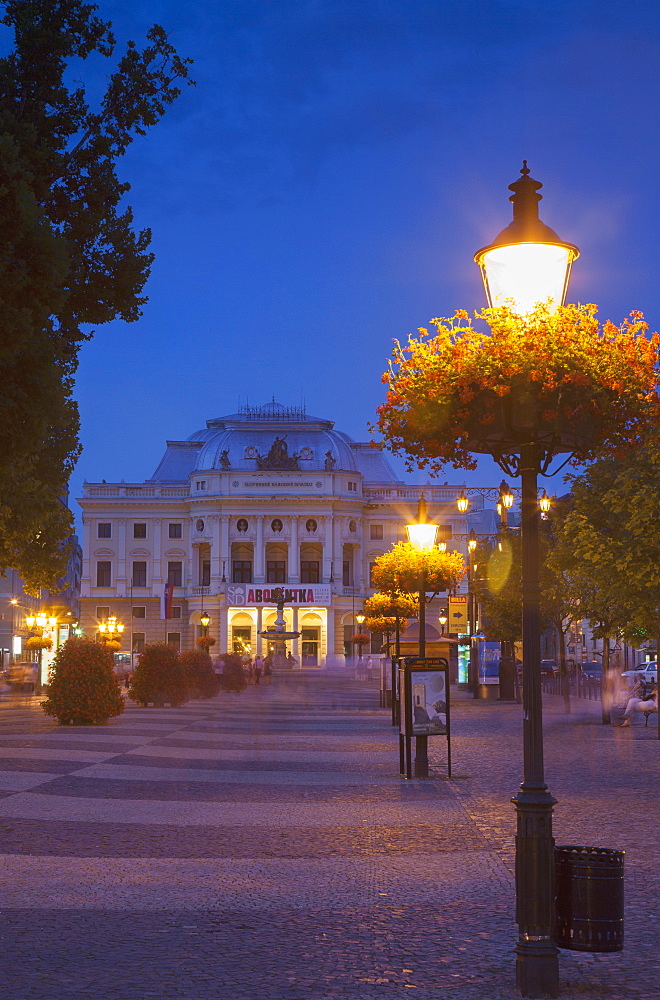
(268, 497)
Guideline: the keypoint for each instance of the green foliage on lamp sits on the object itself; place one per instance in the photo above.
(402, 567)
(563, 378)
(361, 639)
(83, 688)
(233, 678)
(205, 642)
(201, 679)
(70, 255)
(159, 678)
(39, 642)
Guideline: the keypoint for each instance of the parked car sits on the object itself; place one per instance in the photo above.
(591, 668)
(649, 672)
(549, 668)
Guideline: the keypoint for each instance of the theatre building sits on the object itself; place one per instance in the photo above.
(266, 498)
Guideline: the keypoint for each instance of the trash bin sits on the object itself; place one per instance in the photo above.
(589, 898)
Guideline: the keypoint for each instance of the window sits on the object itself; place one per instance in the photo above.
(139, 612)
(102, 614)
(346, 573)
(241, 639)
(139, 574)
(242, 571)
(201, 484)
(139, 531)
(311, 525)
(103, 574)
(309, 571)
(310, 647)
(175, 531)
(242, 524)
(375, 532)
(174, 639)
(445, 532)
(276, 525)
(275, 571)
(105, 530)
(138, 642)
(372, 566)
(352, 487)
(176, 612)
(205, 573)
(174, 572)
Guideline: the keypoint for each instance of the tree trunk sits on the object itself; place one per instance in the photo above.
(605, 683)
(564, 680)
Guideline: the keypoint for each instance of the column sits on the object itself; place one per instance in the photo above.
(330, 633)
(293, 574)
(216, 565)
(259, 639)
(223, 637)
(296, 642)
(328, 558)
(259, 574)
(225, 550)
(86, 580)
(120, 581)
(157, 575)
(338, 554)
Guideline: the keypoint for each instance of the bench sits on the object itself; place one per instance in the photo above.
(649, 711)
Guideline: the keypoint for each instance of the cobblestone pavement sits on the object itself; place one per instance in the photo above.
(265, 846)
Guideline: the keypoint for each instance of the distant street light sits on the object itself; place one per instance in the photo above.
(422, 534)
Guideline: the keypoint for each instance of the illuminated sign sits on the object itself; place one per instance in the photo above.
(247, 594)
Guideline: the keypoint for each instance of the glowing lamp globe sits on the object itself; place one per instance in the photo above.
(422, 534)
(527, 263)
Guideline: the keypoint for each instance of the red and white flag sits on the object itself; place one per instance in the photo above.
(168, 597)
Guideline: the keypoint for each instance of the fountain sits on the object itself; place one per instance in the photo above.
(278, 635)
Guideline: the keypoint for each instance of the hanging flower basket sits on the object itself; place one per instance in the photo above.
(113, 645)
(402, 569)
(560, 380)
(39, 642)
(361, 639)
(205, 641)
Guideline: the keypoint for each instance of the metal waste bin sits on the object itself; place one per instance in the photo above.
(589, 898)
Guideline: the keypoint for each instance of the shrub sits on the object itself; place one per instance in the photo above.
(158, 677)
(83, 688)
(233, 678)
(201, 679)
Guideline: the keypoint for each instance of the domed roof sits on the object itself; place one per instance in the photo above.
(271, 437)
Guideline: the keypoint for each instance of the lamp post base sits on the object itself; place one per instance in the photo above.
(537, 955)
(537, 969)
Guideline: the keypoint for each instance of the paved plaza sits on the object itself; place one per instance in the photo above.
(264, 845)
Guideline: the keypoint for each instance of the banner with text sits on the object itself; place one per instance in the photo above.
(244, 595)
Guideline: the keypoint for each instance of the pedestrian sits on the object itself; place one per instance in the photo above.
(367, 667)
(291, 661)
(636, 704)
(268, 669)
(258, 667)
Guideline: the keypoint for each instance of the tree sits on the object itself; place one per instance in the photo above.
(83, 688)
(159, 677)
(388, 613)
(201, 679)
(69, 256)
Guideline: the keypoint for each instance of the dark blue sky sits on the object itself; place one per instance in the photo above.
(323, 188)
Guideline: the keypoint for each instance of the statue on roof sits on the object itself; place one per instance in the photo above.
(278, 457)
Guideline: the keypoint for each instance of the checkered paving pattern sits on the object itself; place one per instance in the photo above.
(265, 846)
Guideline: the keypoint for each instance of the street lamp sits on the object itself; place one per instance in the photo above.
(360, 619)
(528, 264)
(443, 619)
(422, 535)
(205, 621)
(111, 629)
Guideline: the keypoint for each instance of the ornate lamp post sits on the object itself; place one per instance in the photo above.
(528, 264)
(360, 619)
(422, 535)
(205, 621)
(443, 619)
